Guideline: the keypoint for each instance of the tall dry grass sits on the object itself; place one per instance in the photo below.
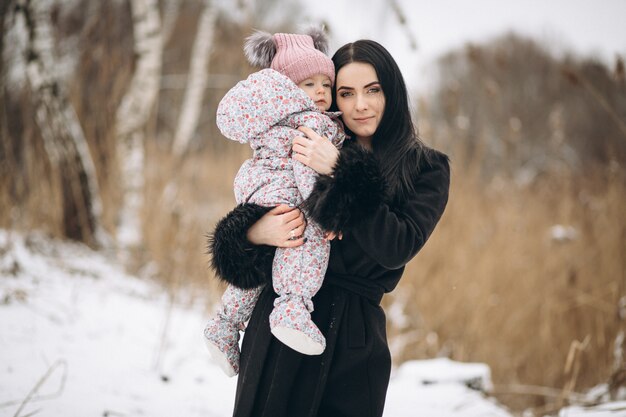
(536, 142)
(495, 285)
(184, 203)
(491, 285)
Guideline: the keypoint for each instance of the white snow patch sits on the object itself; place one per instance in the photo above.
(91, 338)
(64, 302)
(613, 409)
(445, 371)
(563, 233)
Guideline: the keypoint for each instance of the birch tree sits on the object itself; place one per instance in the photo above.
(171, 10)
(4, 11)
(196, 80)
(63, 137)
(133, 114)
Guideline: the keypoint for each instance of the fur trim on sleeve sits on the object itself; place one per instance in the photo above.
(356, 188)
(233, 258)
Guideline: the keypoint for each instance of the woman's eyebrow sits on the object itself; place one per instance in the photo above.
(343, 87)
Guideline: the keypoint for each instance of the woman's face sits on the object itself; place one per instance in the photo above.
(361, 99)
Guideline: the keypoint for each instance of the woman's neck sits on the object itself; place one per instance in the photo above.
(365, 142)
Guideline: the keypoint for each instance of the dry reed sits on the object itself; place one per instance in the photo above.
(493, 284)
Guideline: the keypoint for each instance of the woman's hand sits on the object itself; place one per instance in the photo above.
(331, 235)
(315, 151)
(283, 227)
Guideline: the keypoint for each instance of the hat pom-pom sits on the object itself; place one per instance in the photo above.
(260, 49)
(320, 40)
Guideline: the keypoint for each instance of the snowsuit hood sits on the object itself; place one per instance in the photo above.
(265, 99)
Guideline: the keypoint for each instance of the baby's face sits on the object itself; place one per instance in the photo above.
(318, 87)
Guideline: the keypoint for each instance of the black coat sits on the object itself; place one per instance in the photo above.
(381, 234)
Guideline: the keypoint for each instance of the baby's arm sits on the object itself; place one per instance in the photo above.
(305, 178)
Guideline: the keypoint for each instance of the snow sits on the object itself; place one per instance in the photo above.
(444, 370)
(614, 409)
(439, 388)
(63, 302)
(563, 233)
(78, 337)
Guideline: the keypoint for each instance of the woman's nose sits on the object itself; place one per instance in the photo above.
(361, 103)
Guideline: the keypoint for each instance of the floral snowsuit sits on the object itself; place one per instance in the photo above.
(265, 110)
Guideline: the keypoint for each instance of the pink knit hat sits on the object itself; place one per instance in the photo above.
(297, 58)
(293, 55)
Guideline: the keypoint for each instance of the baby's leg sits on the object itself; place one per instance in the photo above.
(237, 304)
(298, 274)
(300, 270)
(222, 332)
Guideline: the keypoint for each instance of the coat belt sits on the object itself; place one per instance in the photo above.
(357, 288)
(363, 287)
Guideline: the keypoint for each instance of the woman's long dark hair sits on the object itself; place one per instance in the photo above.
(395, 141)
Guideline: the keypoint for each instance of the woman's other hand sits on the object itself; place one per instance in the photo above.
(315, 151)
(331, 235)
(283, 227)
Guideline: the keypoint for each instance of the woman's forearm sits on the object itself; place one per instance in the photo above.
(243, 243)
(283, 226)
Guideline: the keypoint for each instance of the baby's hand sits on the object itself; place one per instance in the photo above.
(331, 235)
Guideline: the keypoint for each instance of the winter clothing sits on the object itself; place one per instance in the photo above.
(298, 59)
(296, 56)
(265, 110)
(356, 188)
(251, 270)
(221, 334)
(351, 377)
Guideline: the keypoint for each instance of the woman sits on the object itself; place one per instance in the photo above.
(381, 197)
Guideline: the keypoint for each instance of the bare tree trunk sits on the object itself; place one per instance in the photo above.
(133, 114)
(171, 10)
(61, 131)
(196, 80)
(6, 148)
(4, 12)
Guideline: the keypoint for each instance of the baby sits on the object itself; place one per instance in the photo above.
(265, 110)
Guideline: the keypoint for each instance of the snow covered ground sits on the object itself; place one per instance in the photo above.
(79, 337)
(64, 304)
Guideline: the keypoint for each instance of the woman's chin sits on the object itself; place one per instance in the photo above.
(363, 133)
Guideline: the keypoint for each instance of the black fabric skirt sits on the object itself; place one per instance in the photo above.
(349, 379)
